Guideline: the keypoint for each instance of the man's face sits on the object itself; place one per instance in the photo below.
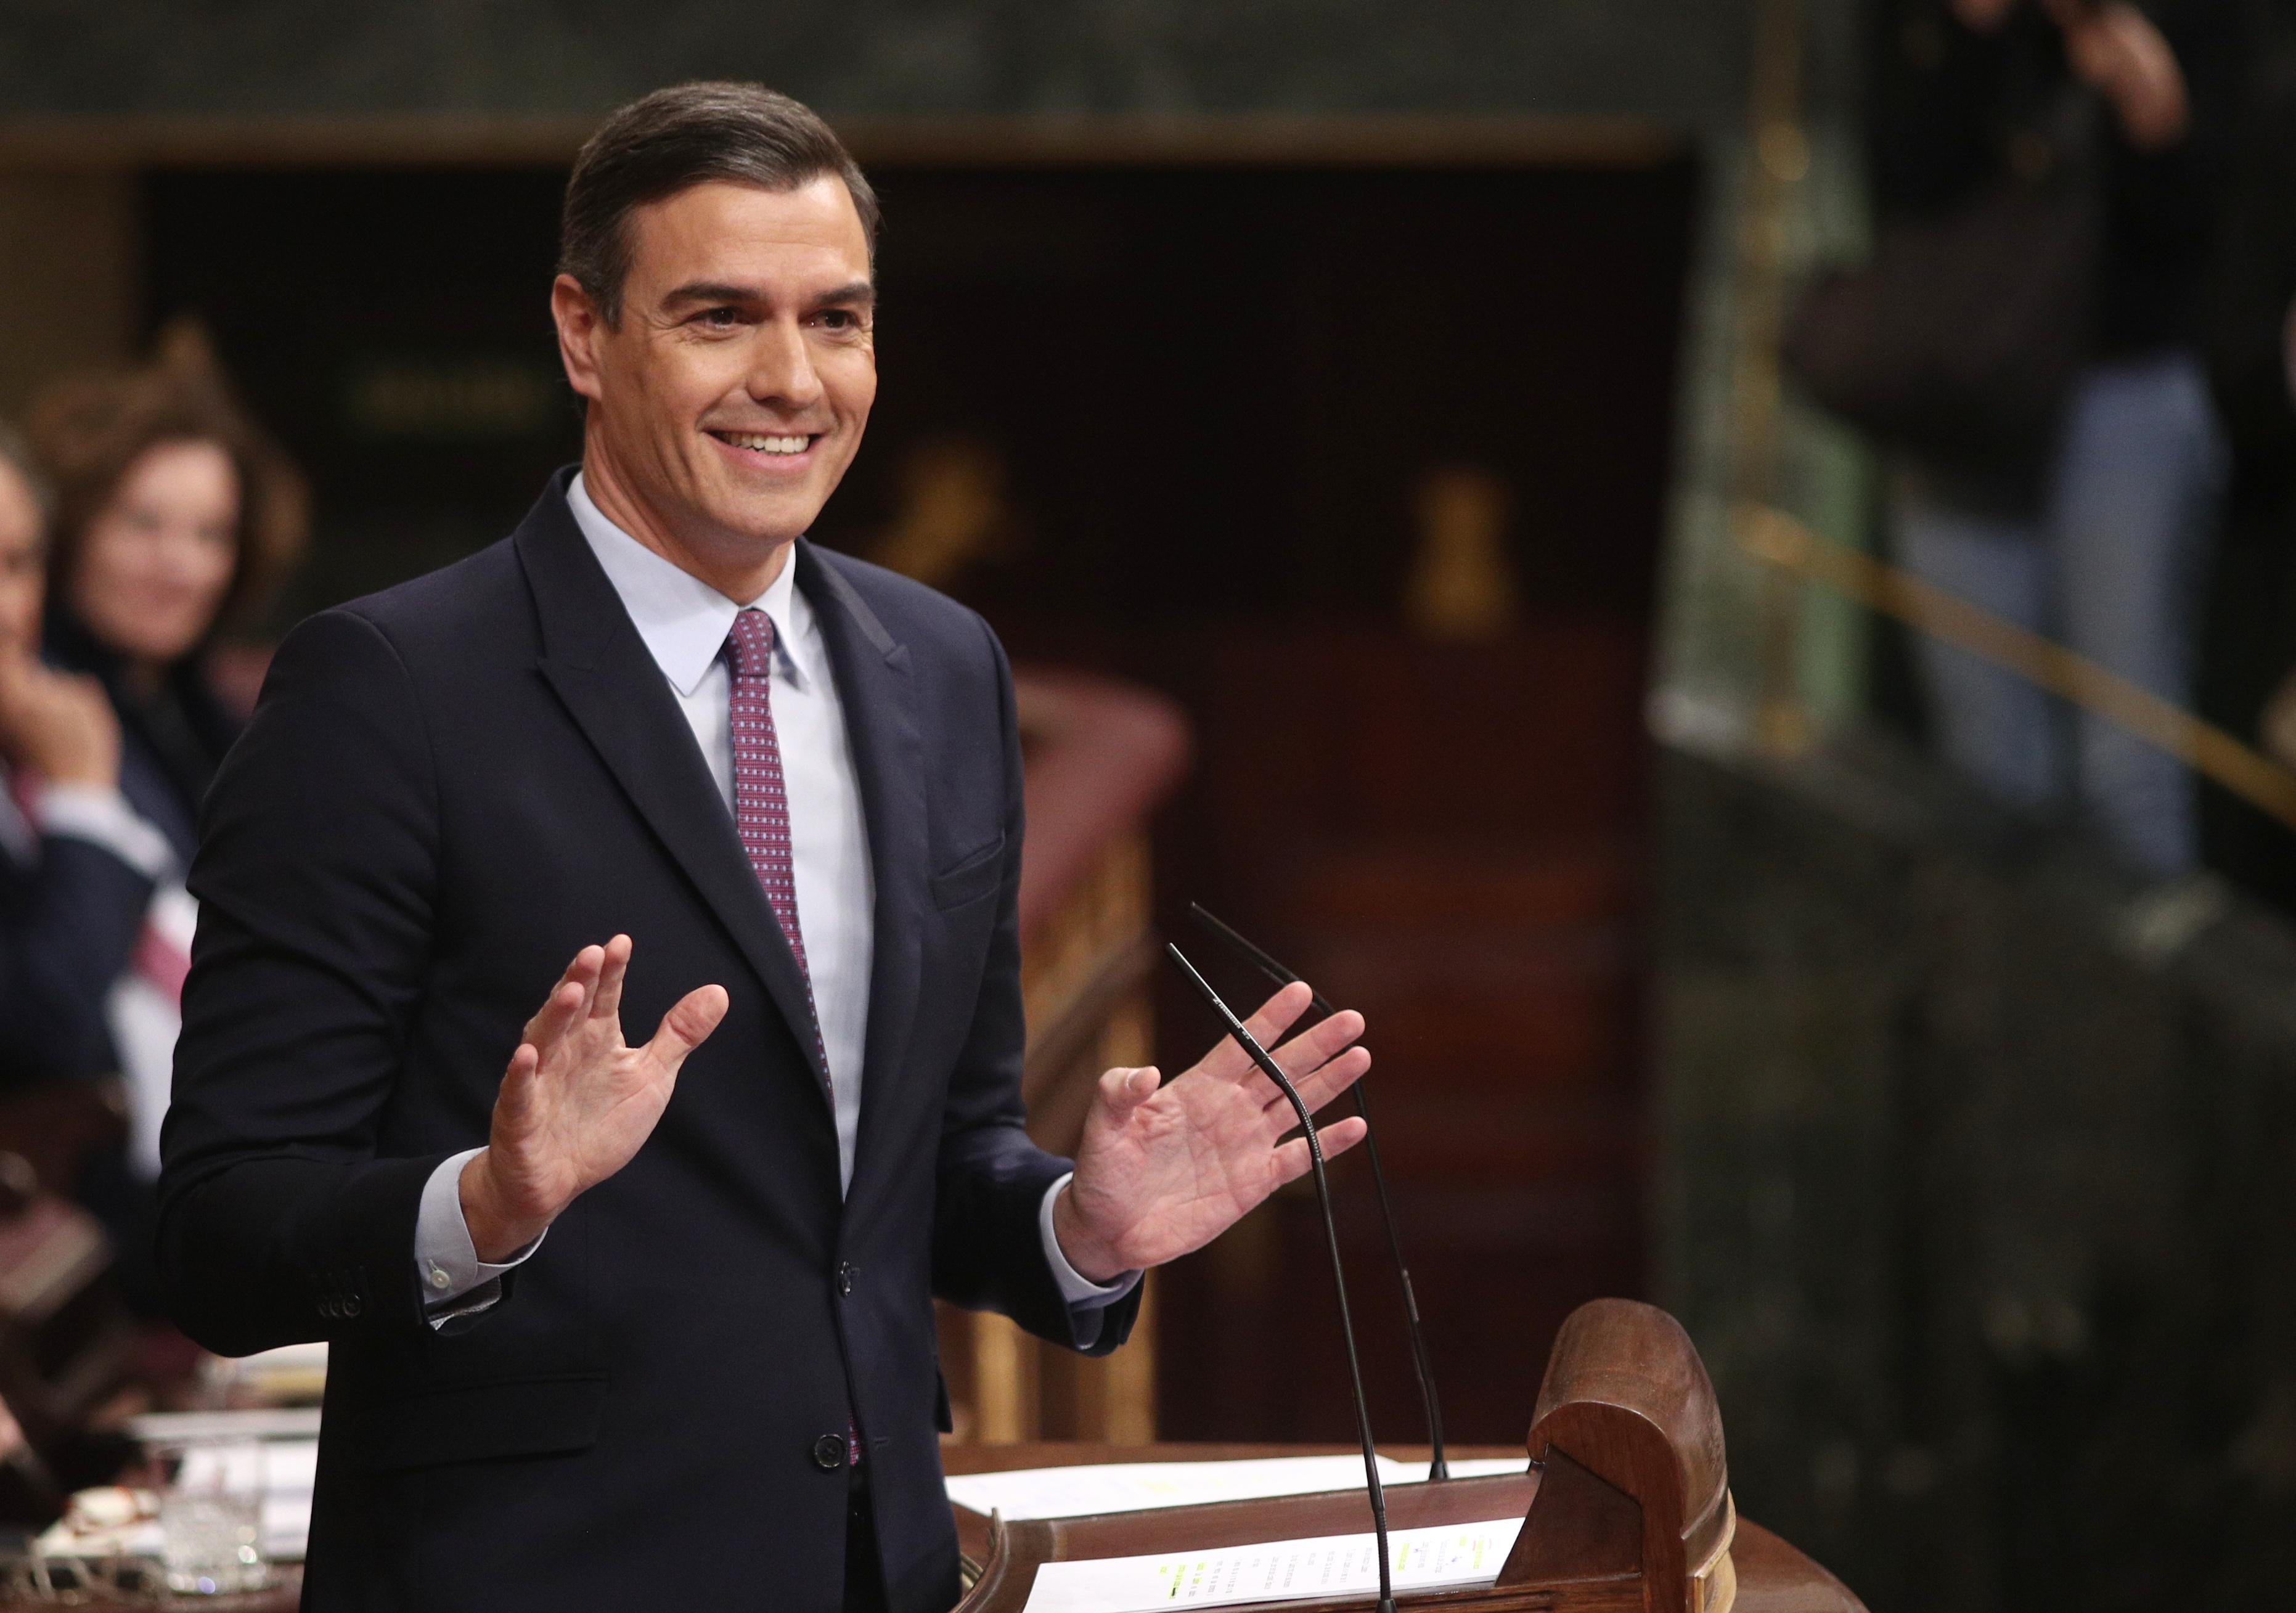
(732, 394)
(22, 561)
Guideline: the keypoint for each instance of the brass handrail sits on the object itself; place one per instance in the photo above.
(1777, 538)
(1776, 160)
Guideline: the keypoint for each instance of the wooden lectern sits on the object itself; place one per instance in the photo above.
(1627, 1504)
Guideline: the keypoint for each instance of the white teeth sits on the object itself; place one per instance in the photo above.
(769, 445)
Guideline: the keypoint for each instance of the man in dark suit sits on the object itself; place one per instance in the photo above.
(666, 1338)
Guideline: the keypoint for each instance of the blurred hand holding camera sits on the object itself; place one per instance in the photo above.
(2117, 51)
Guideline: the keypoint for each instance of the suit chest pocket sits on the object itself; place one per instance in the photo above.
(974, 877)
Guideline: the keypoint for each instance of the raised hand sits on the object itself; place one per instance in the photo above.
(578, 1102)
(1162, 1171)
(2118, 52)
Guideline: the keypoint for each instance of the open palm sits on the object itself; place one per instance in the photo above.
(578, 1102)
(1163, 1170)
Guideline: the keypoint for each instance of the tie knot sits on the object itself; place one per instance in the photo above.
(751, 643)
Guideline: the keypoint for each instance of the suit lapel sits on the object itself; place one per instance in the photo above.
(877, 690)
(609, 684)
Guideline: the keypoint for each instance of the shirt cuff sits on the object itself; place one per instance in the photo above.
(1080, 1292)
(456, 1283)
(102, 817)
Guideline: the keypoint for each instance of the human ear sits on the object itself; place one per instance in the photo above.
(579, 328)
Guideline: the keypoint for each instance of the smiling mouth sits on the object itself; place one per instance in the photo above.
(775, 445)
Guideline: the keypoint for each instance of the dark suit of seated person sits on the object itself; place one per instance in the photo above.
(623, 1326)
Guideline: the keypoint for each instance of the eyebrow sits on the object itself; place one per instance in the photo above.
(852, 294)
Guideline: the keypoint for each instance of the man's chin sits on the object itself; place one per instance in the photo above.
(769, 523)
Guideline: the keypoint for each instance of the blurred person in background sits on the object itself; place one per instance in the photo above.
(2253, 343)
(175, 516)
(2097, 534)
(78, 864)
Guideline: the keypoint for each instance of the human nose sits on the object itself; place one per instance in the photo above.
(781, 368)
(186, 553)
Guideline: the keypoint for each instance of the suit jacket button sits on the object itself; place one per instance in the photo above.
(351, 1306)
(828, 1452)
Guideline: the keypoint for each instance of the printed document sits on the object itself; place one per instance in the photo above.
(1450, 1558)
(1136, 1486)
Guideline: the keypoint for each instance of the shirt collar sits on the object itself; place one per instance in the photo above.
(683, 619)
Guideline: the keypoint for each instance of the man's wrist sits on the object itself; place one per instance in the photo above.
(496, 1234)
(1086, 1255)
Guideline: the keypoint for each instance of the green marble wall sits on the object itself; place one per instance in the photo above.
(1979, 1192)
(1676, 60)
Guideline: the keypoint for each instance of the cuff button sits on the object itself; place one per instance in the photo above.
(439, 1278)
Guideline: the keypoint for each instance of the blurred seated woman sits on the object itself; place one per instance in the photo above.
(78, 865)
(175, 518)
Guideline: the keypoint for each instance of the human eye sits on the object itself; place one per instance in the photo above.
(721, 318)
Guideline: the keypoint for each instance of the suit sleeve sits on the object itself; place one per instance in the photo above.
(67, 935)
(988, 1253)
(316, 880)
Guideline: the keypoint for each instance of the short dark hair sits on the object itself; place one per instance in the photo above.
(679, 137)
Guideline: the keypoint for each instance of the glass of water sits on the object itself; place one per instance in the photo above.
(211, 1522)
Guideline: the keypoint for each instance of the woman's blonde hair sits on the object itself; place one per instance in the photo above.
(87, 431)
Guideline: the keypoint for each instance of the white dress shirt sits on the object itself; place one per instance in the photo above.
(684, 623)
(97, 814)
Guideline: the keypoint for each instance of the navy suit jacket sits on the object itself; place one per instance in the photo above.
(446, 791)
(69, 919)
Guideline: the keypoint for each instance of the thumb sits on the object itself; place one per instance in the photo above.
(688, 1024)
(1122, 1090)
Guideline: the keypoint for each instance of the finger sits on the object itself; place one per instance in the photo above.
(559, 1016)
(588, 964)
(1122, 1090)
(1228, 1062)
(606, 1002)
(1292, 1161)
(518, 1082)
(1318, 1087)
(571, 977)
(687, 1025)
(1310, 1052)
(1320, 1044)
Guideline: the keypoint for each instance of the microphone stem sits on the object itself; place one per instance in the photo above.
(1377, 1491)
(1274, 1073)
(1437, 1467)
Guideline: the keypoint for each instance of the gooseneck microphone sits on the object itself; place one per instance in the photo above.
(1268, 1068)
(1438, 1468)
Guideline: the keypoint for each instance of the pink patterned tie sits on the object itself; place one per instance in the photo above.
(760, 802)
(761, 816)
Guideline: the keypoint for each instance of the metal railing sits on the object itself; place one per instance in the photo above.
(1778, 539)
